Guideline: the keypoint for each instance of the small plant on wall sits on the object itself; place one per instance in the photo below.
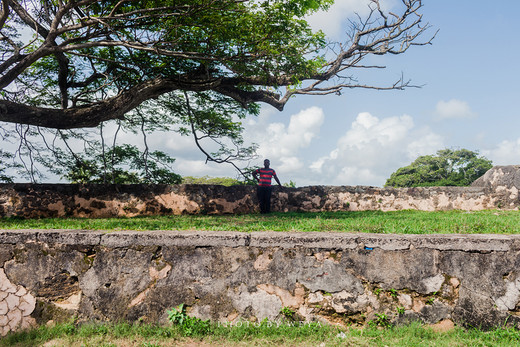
(288, 313)
(431, 299)
(381, 320)
(189, 326)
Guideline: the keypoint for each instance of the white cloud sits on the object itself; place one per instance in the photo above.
(176, 142)
(367, 128)
(364, 176)
(288, 165)
(199, 168)
(453, 109)
(279, 142)
(332, 21)
(372, 149)
(424, 142)
(282, 144)
(506, 153)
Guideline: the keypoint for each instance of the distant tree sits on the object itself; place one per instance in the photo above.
(223, 181)
(290, 184)
(447, 168)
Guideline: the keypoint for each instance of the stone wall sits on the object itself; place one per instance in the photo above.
(343, 278)
(58, 200)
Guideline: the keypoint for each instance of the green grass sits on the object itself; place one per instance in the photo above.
(400, 222)
(124, 334)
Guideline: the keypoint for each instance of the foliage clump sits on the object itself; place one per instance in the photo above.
(448, 168)
(5, 163)
(223, 181)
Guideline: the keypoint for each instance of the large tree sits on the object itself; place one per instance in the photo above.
(73, 64)
(192, 66)
(447, 168)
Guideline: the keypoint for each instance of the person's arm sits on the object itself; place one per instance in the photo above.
(277, 180)
(255, 175)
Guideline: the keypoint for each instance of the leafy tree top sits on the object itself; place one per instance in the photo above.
(448, 168)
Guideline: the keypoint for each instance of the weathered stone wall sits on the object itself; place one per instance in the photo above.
(57, 200)
(344, 278)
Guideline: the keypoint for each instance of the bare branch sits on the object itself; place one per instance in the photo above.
(229, 159)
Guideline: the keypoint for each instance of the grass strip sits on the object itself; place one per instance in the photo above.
(124, 334)
(396, 222)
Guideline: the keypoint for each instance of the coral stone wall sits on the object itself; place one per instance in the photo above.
(58, 200)
(498, 188)
(341, 278)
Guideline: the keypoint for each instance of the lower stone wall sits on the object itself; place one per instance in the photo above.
(58, 200)
(338, 278)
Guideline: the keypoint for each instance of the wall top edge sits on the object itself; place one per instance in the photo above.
(151, 186)
(264, 239)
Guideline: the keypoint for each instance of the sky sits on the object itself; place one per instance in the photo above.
(468, 99)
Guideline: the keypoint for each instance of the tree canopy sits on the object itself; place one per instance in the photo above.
(73, 64)
(192, 66)
(448, 168)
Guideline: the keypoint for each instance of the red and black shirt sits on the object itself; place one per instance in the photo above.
(265, 176)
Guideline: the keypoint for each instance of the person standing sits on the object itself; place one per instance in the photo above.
(263, 177)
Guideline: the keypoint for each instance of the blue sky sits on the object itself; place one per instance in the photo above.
(468, 100)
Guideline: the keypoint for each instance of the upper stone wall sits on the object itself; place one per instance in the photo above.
(60, 200)
(498, 188)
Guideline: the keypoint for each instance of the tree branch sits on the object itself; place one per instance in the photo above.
(4, 12)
